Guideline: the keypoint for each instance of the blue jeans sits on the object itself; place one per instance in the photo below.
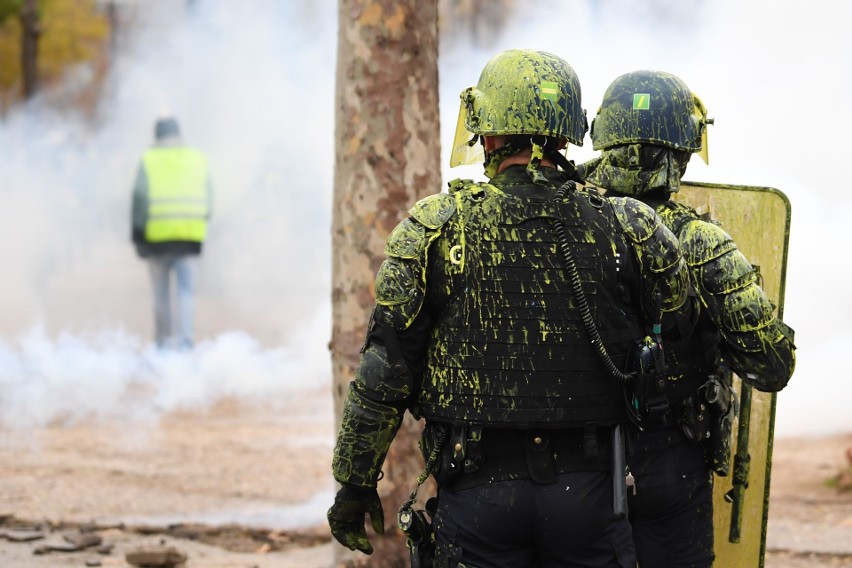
(173, 328)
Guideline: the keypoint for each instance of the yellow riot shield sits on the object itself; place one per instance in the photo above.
(758, 219)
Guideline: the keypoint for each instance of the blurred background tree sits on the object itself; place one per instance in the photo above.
(475, 22)
(42, 42)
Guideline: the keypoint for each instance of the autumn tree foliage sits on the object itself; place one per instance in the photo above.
(41, 41)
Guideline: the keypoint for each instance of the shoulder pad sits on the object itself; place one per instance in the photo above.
(400, 291)
(702, 241)
(397, 283)
(407, 240)
(676, 215)
(434, 211)
(458, 184)
(637, 220)
(474, 188)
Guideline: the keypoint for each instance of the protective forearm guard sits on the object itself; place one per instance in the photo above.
(366, 433)
(384, 381)
(757, 346)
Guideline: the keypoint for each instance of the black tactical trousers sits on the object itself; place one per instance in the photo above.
(523, 524)
(672, 510)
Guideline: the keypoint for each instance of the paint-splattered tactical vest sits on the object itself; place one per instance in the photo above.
(509, 348)
(693, 356)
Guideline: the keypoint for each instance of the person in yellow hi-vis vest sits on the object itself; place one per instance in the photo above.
(171, 208)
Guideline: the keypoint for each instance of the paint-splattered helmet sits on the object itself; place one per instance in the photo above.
(650, 107)
(521, 91)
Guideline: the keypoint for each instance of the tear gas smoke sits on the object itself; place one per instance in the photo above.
(77, 303)
(254, 88)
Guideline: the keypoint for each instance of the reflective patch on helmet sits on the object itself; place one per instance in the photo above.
(641, 101)
(549, 90)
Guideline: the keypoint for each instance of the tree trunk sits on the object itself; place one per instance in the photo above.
(30, 32)
(387, 157)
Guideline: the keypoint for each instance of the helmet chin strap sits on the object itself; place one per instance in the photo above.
(495, 158)
(560, 160)
(538, 152)
(535, 162)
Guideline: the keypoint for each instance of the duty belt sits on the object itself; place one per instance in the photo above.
(536, 454)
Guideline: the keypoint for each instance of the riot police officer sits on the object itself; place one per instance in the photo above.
(505, 313)
(647, 128)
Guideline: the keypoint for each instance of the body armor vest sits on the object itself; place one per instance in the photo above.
(509, 348)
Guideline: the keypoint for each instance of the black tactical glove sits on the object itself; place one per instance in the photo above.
(346, 517)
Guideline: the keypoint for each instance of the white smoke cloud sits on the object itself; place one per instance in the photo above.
(241, 83)
(253, 86)
(113, 375)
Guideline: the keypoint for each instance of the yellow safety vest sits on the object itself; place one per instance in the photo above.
(178, 198)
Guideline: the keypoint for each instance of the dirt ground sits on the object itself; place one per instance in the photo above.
(246, 487)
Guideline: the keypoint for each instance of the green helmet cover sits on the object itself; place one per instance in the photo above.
(649, 107)
(524, 91)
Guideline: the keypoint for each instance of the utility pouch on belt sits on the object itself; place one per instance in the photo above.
(646, 396)
(539, 456)
(459, 454)
(414, 523)
(694, 417)
(722, 407)
(417, 526)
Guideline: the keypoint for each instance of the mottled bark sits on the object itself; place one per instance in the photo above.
(387, 157)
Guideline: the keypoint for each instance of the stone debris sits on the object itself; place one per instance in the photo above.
(105, 548)
(82, 539)
(21, 535)
(70, 542)
(156, 557)
(16, 531)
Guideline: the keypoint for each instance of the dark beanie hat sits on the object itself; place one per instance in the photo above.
(166, 127)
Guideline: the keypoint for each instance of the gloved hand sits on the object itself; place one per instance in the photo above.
(346, 517)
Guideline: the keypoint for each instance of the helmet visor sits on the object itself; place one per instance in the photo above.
(701, 115)
(463, 152)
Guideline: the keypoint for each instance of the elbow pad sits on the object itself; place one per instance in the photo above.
(365, 435)
(771, 360)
